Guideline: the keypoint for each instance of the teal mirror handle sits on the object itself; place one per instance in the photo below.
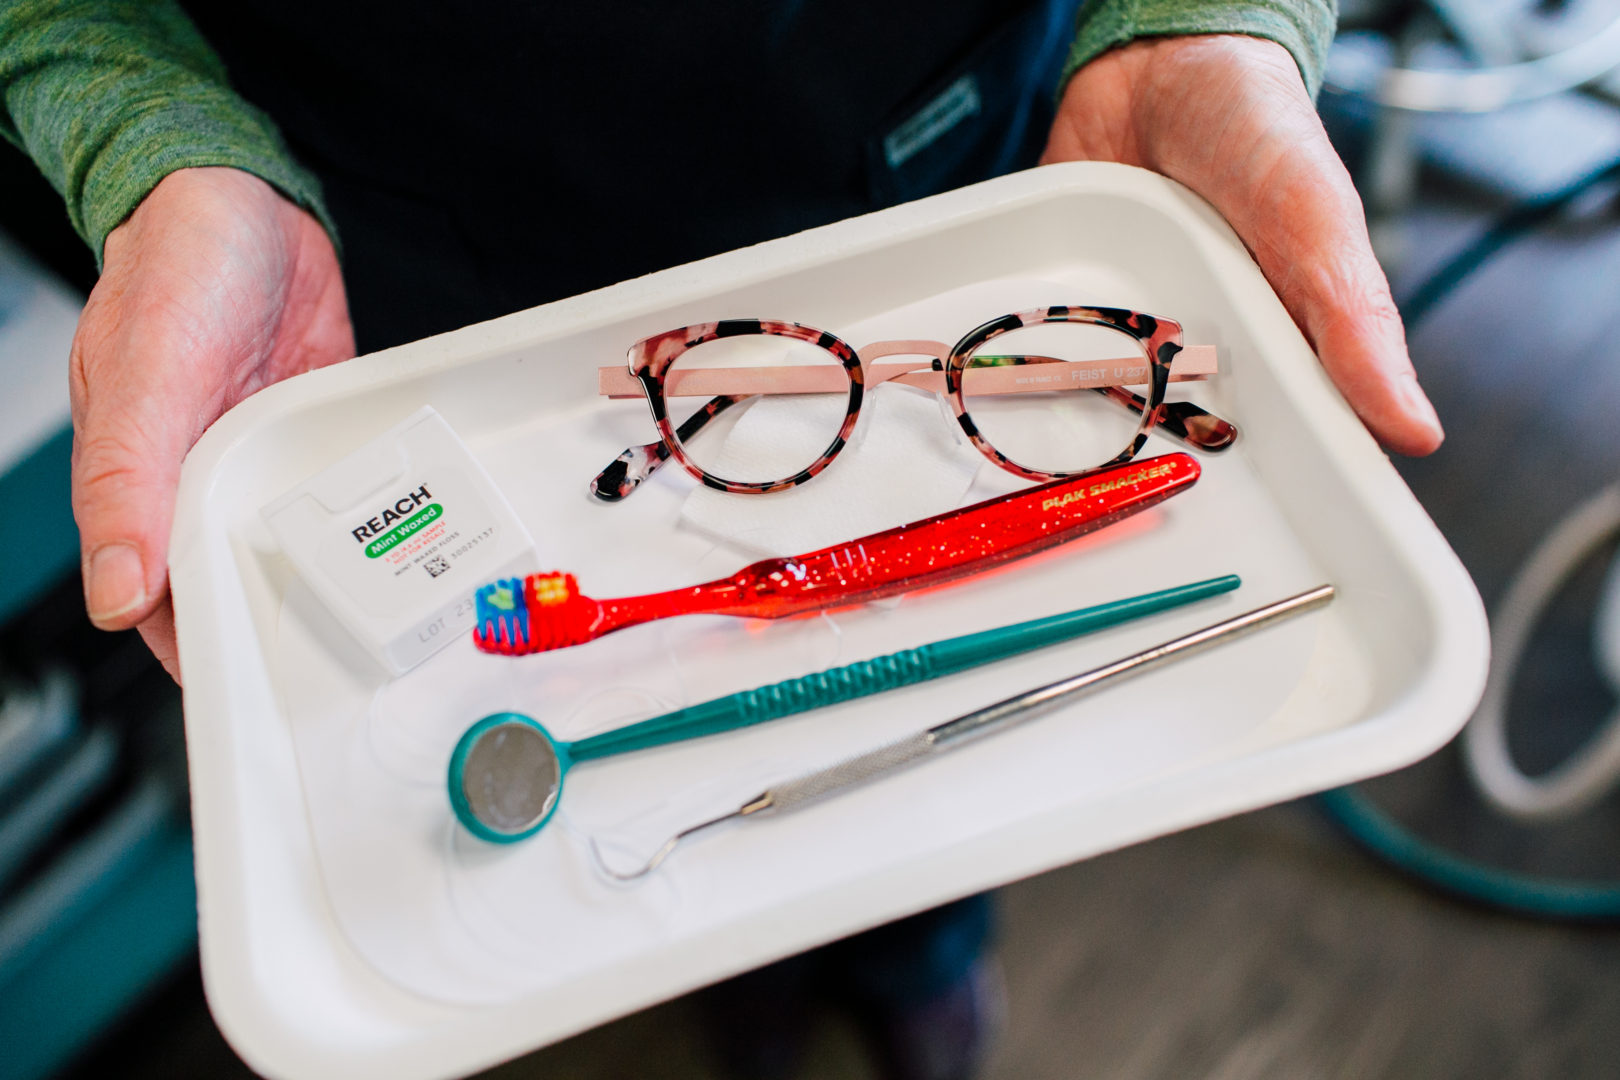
(903, 668)
(749, 707)
(971, 650)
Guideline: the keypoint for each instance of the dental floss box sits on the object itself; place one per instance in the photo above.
(396, 537)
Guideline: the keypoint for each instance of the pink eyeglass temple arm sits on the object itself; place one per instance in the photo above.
(615, 381)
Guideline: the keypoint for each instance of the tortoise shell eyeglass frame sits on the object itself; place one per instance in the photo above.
(651, 358)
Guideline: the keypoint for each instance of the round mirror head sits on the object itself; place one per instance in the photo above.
(505, 777)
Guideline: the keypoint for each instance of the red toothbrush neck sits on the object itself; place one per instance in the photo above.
(711, 598)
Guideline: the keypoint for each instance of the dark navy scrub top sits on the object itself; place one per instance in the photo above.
(483, 158)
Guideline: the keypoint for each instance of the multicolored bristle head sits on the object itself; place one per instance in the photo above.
(502, 618)
(533, 614)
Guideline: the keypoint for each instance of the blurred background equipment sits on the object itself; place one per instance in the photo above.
(97, 904)
(1550, 69)
(1593, 772)
(1467, 56)
(1516, 96)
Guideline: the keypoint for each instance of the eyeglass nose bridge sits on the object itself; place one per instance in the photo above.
(931, 379)
(877, 350)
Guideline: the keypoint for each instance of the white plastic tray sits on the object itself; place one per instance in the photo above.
(349, 931)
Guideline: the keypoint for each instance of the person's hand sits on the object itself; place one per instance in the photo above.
(215, 287)
(1229, 117)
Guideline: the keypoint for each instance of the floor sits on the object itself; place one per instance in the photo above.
(1265, 946)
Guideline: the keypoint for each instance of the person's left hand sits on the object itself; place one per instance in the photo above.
(1228, 116)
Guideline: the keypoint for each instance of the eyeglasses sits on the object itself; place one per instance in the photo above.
(1044, 394)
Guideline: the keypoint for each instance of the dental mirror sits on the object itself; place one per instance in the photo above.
(506, 777)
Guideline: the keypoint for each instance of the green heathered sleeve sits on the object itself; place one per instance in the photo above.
(1303, 27)
(110, 96)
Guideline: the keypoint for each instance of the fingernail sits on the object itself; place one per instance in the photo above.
(1421, 407)
(116, 583)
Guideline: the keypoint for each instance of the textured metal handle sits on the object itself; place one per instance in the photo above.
(850, 772)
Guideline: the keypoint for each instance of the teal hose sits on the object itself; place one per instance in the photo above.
(1387, 840)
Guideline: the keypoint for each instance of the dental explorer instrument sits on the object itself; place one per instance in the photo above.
(894, 756)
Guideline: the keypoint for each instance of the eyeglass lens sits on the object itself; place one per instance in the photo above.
(1032, 393)
(798, 397)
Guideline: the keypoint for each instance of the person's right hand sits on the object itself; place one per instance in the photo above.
(215, 287)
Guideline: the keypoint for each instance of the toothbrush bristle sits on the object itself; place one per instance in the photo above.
(502, 618)
(559, 616)
(535, 614)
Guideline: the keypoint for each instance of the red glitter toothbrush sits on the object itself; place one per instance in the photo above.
(547, 611)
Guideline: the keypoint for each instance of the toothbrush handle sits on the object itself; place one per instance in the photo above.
(948, 546)
(919, 555)
(903, 668)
